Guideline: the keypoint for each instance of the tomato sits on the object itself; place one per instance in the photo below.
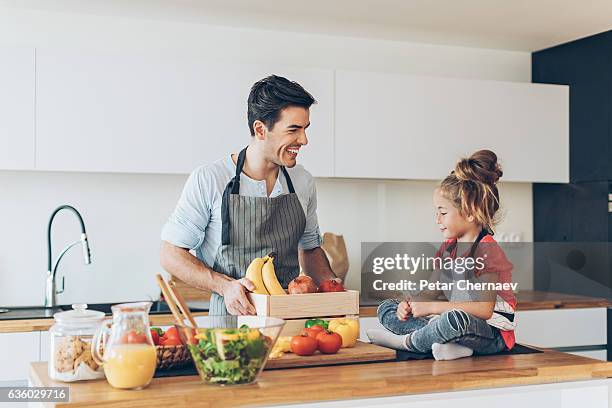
(170, 341)
(303, 345)
(172, 332)
(159, 331)
(329, 342)
(313, 331)
(135, 337)
(315, 322)
(155, 336)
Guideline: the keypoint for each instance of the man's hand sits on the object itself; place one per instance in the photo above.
(404, 310)
(234, 294)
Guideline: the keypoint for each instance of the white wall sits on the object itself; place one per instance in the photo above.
(370, 210)
(124, 213)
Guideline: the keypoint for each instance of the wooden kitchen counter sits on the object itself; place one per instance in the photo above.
(29, 325)
(535, 300)
(303, 385)
(527, 300)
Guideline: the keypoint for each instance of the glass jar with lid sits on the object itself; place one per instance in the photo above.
(71, 336)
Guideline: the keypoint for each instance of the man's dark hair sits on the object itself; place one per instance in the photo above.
(269, 96)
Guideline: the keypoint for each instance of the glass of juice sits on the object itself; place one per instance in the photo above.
(124, 347)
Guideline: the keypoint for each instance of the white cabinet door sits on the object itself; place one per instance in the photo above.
(228, 86)
(45, 346)
(156, 114)
(18, 351)
(562, 327)
(17, 108)
(413, 127)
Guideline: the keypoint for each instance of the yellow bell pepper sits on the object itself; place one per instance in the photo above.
(227, 336)
(347, 328)
(253, 334)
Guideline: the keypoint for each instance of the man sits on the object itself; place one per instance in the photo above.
(247, 205)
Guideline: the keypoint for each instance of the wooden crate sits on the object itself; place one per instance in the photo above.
(307, 305)
(296, 309)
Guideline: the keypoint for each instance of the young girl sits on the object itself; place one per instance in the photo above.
(469, 322)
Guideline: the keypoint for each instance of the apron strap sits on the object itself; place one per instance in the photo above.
(225, 227)
(288, 180)
(233, 187)
(239, 165)
(483, 233)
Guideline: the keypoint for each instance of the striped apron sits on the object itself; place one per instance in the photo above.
(503, 312)
(252, 227)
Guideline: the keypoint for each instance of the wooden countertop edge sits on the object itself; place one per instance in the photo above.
(354, 381)
(369, 311)
(30, 325)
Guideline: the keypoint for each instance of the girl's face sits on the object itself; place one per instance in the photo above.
(451, 222)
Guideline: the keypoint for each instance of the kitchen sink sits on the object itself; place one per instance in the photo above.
(39, 312)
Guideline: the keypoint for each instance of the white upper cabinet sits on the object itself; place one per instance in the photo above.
(230, 85)
(412, 127)
(141, 113)
(144, 113)
(17, 108)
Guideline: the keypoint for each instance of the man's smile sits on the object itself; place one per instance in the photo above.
(293, 151)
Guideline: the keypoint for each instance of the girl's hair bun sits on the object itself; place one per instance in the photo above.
(472, 187)
(481, 166)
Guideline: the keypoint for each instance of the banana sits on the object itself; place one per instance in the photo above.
(269, 278)
(282, 346)
(253, 273)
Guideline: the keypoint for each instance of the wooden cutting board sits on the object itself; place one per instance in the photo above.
(361, 353)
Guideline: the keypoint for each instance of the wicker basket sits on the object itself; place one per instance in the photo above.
(172, 357)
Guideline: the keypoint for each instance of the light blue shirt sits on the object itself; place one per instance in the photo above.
(196, 220)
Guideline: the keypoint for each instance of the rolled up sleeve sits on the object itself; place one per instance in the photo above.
(186, 226)
(312, 236)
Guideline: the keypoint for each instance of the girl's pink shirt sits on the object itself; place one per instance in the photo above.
(495, 261)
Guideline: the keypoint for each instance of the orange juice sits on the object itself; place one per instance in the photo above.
(130, 365)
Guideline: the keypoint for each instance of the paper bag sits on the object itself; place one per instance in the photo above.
(335, 248)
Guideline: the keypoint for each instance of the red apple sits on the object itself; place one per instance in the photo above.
(331, 285)
(302, 284)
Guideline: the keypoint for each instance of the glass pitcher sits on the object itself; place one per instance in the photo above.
(124, 348)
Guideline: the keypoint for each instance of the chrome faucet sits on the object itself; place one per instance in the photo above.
(50, 289)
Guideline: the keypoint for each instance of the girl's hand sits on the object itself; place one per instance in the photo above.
(403, 311)
(420, 309)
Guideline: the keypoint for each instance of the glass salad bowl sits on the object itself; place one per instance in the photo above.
(231, 350)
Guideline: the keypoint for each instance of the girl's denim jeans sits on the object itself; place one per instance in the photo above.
(454, 326)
